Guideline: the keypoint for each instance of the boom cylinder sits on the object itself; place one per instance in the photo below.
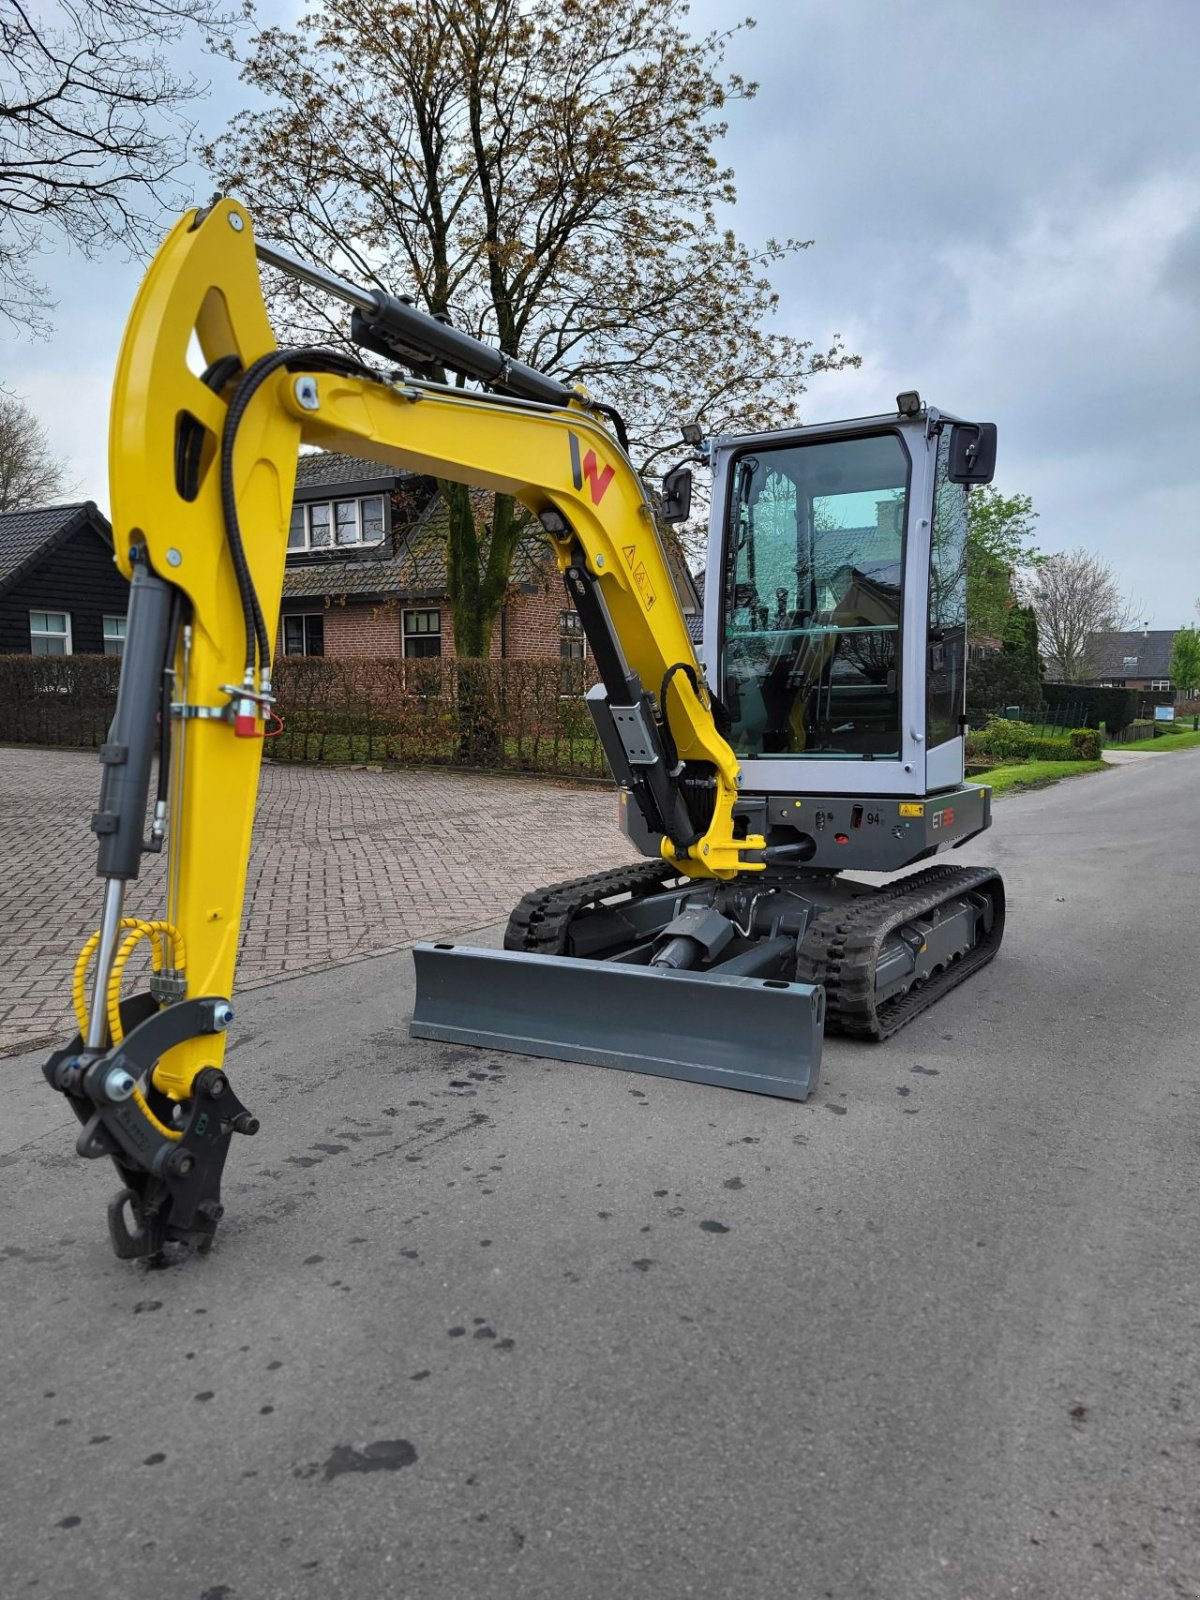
(126, 756)
(388, 324)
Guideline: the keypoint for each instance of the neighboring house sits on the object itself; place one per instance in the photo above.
(61, 592)
(366, 572)
(1139, 660)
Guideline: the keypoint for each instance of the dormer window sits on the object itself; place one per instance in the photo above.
(337, 524)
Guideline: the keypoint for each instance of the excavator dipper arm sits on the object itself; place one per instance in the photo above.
(208, 418)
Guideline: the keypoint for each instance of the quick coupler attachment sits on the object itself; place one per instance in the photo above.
(170, 1158)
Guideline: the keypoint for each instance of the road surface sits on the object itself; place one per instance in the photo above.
(482, 1326)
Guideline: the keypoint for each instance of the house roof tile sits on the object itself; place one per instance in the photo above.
(1149, 649)
(323, 467)
(27, 536)
(416, 568)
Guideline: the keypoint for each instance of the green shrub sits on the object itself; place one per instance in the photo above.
(1016, 741)
(1085, 742)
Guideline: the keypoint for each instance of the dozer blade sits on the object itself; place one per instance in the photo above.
(760, 1035)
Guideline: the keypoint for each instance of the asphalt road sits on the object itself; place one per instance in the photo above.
(482, 1326)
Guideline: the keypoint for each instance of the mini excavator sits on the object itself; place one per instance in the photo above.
(818, 729)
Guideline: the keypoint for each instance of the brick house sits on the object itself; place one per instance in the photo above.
(61, 593)
(1139, 660)
(366, 572)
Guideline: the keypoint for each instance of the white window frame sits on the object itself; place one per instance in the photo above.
(1161, 686)
(427, 633)
(47, 633)
(109, 638)
(305, 508)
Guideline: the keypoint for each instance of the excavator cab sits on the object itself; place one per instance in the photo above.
(836, 616)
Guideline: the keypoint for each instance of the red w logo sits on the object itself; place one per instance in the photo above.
(597, 481)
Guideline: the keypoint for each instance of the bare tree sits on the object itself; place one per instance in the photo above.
(1075, 595)
(543, 173)
(93, 130)
(30, 474)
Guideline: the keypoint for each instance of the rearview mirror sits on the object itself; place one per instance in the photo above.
(677, 495)
(972, 452)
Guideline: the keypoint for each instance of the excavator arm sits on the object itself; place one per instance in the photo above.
(207, 421)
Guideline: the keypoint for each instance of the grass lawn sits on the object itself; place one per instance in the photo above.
(1169, 741)
(1035, 774)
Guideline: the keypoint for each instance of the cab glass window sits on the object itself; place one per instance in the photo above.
(812, 602)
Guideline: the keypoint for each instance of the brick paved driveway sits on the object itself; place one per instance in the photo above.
(345, 864)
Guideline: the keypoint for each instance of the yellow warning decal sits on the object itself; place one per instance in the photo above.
(629, 551)
(642, 578)
(908, 810)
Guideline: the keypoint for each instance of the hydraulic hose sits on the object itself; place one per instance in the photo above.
(258, 646)
(157, 933)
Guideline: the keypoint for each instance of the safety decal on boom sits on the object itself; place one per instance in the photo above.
(641, 577)
(589, 468)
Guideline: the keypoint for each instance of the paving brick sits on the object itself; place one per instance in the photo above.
(344, 865)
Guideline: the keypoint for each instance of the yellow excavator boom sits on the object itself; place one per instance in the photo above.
(208, 418)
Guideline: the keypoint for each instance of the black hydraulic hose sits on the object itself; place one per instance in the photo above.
(668, 737)
(258, 646)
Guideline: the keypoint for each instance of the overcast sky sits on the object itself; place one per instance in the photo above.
(1005, 201)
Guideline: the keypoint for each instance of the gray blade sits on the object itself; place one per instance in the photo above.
(756, 1034)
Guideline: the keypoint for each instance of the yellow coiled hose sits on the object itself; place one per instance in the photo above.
(157, 933)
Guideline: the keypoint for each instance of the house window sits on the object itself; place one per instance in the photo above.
(1160, 685)
(1130, 664)
(50, 633)
(572, 641)
(341, 523)
(304, 635)
(422, 633)
(114, 636)
(318, 527)
(1113, 683)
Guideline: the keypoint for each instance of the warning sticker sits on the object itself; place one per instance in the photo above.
(629, 551)
(644, 587)
(912, 811)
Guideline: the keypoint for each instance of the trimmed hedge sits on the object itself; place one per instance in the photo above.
(57, 700)
(1016, 741)
(526, 716)
(1115, 708)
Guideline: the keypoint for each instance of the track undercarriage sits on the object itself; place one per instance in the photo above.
(883, 955)
(730, 983)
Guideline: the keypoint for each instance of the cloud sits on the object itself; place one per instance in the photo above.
(1005, 205)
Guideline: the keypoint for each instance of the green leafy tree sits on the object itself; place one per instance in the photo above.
(1185, 661)
(541, 172)
(1010, 676)
(999, 550)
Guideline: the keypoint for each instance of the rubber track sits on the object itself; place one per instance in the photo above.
(542, 919)
(841, 949)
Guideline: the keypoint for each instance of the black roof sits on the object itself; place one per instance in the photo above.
(27, 537)
(1147, 649)
(323, 469)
